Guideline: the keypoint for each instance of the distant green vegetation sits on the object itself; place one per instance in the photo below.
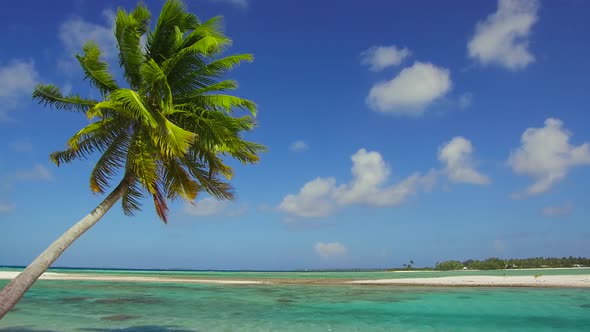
(495, 263)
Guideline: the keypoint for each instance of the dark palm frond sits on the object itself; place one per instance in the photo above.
(189, 73)
(48, 94)
(161, 41)
(112, 159)
(161, 205)
(141, 160)
(178, 182)
(131, 200)
(95, 69)
(209, 180)
(142, 16)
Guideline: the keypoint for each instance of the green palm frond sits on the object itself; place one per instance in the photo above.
(160, 42)
(131, 104)
(128, 31)
(213, 27)
(219, 102)
(178, 182)
(171, 132)
(207, 177)
(48, 94)
(131, 200)
(112, 159)
(220, 66)
(95, 69)
(142, 16)
(219, 86)
(206, 46)
(157, 82)
(183, 77)
(96, 137)
(172, 140)
(142, 162)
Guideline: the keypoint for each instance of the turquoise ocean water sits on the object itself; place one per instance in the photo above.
(174, 307)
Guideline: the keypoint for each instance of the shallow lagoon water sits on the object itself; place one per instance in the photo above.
(119, 306)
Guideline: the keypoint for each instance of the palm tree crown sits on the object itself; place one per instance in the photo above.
(168, 131)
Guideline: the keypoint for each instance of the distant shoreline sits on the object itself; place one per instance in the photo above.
(516, 269)
(541, 281)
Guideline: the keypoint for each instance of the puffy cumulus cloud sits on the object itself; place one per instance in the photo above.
(322, 196)
(6, 207)
(381, 57)
(557, 210)
(299, 146)
(502, 38)
(546, 155)
(210, 206)
(17, 80)
(313, 200)
(411, 91)
(76, 31)
(459, 165)
(331, 249)
(370, 173)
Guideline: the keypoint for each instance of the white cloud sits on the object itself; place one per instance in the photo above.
(546, 155)
(17, 80)
(37, 173)
(321, 197)
(6, 207)
(237, 3)
(313, 200)
(411, 91)
(557, 210)
(210, 206)
(299, 146)
(75, 32)
(370, 173)
(331, 249)
(381, 57)
(459, 165)
(502, 38)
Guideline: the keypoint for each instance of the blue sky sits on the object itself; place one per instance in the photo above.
(397, 131)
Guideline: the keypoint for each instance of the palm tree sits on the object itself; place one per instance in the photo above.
(165, 135)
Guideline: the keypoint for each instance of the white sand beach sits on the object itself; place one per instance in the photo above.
(97, 277)
(458, 281)
(487, 281)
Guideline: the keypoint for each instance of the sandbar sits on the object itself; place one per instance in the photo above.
(556, 281)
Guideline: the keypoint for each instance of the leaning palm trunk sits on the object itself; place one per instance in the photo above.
(13, 292)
